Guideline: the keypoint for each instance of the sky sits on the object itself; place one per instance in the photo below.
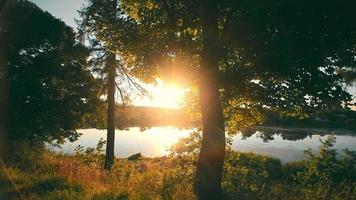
(67, 11)
(161, 95)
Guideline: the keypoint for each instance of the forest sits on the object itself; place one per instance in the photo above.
(243, 66)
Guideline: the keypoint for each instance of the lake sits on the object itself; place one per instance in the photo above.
(285, 144)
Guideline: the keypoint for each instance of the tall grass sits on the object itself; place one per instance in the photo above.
(246, 176)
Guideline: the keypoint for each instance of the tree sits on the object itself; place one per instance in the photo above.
(100, 19)
(212, 151)
(51, 88)
(4, 83)
(256, 56)
(92, 27)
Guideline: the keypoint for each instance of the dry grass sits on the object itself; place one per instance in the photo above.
(69, 177)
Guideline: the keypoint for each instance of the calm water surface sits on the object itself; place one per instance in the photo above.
(285, 145)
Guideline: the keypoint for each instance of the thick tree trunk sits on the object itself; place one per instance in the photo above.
(211, 158)
(110, 141)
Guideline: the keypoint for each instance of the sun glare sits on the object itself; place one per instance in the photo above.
(168, 96)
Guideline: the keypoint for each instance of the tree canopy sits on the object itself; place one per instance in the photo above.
(282, 56)
(51, 88)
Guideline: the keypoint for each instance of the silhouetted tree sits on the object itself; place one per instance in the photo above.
(4, 82)
(105, 63)
(50, 85)
(100, 20)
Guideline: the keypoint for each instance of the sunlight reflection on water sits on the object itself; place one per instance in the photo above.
(155, 142)
(152, 142)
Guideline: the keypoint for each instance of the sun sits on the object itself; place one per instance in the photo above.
(168, 96)
(163, 94)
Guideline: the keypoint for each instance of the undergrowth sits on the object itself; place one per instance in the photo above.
(246, 176)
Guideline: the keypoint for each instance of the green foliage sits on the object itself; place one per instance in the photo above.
(97, 30)
(278, 56)
(327, 177)
(36, 184)
(91, 155)
(51, 88)
(248, 176)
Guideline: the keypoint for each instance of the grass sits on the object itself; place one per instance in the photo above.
(69, 177)
(246, 176)
(20, 184)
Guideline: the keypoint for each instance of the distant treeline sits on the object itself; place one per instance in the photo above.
(141, 116)
(339, 119)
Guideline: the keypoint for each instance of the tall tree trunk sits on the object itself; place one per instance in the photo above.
(110, 141)
(4, 81)
(212, 152)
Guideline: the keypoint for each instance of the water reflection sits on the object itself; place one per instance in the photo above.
(152, 142)
(294, 134)
(285, 144)
(289, 144)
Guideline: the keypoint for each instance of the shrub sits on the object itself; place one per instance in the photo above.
(327, 177)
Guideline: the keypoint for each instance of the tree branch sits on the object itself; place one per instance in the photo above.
(121, 95)
(132, 82)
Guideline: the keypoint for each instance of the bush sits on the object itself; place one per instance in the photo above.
(327, 177)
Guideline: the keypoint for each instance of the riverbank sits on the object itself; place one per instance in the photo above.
(288, 146)
(247, 176)
(303, 130)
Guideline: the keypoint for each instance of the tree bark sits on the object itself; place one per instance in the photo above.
(212, 152)
(4, 81)
(110, 141)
